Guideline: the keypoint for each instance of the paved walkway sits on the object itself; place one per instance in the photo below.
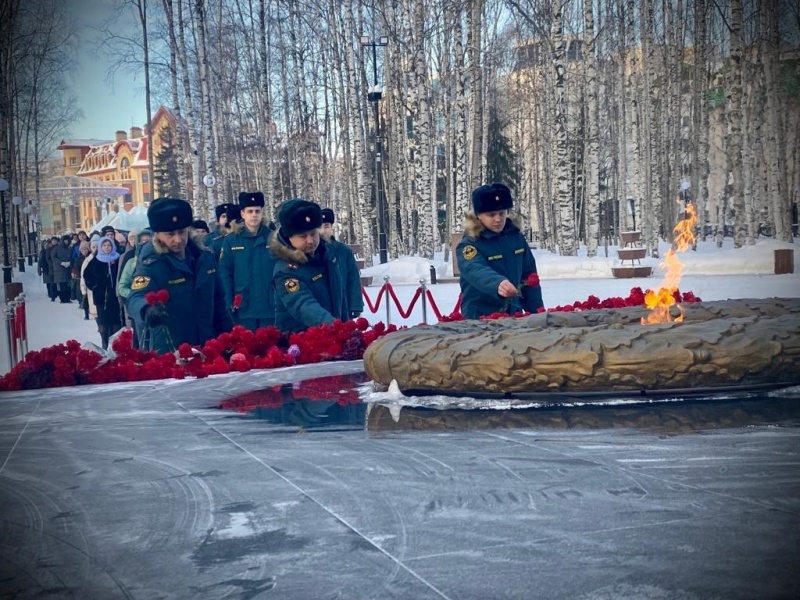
(150, 491)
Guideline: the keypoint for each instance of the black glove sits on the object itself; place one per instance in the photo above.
(156, 315)
(354, 315)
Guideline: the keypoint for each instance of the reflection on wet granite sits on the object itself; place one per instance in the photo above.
(307, 404)
(666, 417)
(337, 401)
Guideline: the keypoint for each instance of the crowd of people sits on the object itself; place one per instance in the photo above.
(247, 270)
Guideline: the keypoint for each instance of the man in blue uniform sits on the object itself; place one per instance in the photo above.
(309, 280)
(355, 300)
(196, 310)
(246, 265)
(221, 214)
(497, 268)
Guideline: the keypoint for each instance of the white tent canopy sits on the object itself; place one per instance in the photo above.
(135, 218)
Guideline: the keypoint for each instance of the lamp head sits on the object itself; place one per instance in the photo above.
(3, 185)
(16, 201)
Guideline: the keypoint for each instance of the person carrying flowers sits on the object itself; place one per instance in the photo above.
(497, 268)
(246, 264)
(193, 309)
(310, 281)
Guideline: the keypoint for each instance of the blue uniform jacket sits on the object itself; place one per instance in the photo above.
(485, 259)
(355, 300)
(309, 290)
(245, 266)
(196, 306)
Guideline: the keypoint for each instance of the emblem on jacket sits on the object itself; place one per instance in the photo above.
(291, 285)
(469, 252)
(139, 282)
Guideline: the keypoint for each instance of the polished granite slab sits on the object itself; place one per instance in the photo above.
(151, 490)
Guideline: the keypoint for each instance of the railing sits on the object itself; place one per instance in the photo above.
(422, 293)
(16, 329)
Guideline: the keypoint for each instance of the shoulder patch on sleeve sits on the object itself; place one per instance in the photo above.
(469, 252)
(139, 282)
(291, 285)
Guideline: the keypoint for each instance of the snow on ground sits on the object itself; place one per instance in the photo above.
(709, 272)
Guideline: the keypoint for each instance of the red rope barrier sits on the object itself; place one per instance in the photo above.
(20, 323)
(405, 313)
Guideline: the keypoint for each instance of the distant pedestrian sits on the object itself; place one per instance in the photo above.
(195, 311)
(100, 276)
(46, 270)
(61, 262)
(355, 299)
(310, 281)
(497, 268)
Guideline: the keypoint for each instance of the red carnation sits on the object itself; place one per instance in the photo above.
(532, 280)
(156, 297)
(237, 301)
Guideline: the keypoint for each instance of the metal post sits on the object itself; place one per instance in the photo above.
(424, 302)
(17, 201)
(386, 298)
(374, 96)
(10, 344)
(6, 264)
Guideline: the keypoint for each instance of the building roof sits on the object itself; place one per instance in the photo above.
(80, 143)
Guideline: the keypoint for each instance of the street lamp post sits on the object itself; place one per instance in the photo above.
(374, 96)
(29, 239)
(17, 201)
(6, 265)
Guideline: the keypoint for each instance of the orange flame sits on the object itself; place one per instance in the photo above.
(661, 301)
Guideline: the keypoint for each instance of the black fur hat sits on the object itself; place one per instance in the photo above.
(221, 209)
(251, 199)
(200, 224)
(106, 229)
(234, 213)
(491, 197)
(169, 214)
(298, 216)
(328, 216)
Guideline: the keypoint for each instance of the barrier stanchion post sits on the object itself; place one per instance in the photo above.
(424, 302)
(11, 337)
(23, 327)
(388, 316)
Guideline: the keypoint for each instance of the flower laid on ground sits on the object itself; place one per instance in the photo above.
(239, 350)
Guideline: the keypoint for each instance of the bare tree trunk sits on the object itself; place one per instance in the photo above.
(181, 136)
(699, 160)
(197, 199)
(461, 181)
(567, 243)
(778, 199)
(733, 113)
(474, 28)
(592, 116)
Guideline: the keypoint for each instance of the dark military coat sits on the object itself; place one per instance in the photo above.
(355, 300)
(485, 259)
(309, 290)
(245, 266)
(196, 306)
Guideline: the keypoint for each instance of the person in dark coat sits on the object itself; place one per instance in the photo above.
(219, 230)
(195, 311)
(100, 276)
(497, 268)
(355, 299)
(46, 271)
(310, 281)
(61, 263)
(140, 239)
(246, 265)
(233, 215)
